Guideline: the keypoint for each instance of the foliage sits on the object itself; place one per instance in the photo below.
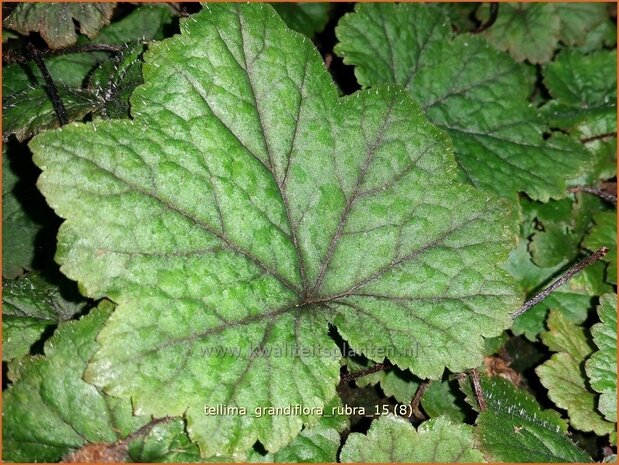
(274, 238)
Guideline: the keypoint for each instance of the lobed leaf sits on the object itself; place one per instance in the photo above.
(393, 439)
(460, 82)
(601, 367)
(244, 208)
(528, 31)
(562, 375)
(55, 21)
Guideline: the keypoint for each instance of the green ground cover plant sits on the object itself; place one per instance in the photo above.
(309, 232)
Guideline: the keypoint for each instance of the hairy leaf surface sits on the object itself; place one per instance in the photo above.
(246, 207)
(393, 439)
(513, 427)
(460, 82)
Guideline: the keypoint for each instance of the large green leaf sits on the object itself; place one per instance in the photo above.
(56, 21)
(513, 427)
(562, 375)
(461, 83)
(601, 367)
(393, 439)
(30, 305)
(246, 207)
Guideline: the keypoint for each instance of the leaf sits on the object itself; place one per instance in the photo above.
(29, 112)
(578, 19)
(584, 93)
(513, 428)
(601, 367)
(528, 31)
(30, 305)
(601, 36)
(306, 18)
(55, 21)
(561, 226)
(26, 104)
(440, 399)
(563, 377)
(24, 215)
(393, 439)
(461, 82)
(49, 411)
(604, 234)
(317, 444)
(246, 207)
(166, 443)
(394, 382)
(115, 80)
(145, 23)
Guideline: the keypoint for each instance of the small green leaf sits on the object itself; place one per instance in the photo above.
(246, 207)
(56, 21)
(167, 443)
(440, 399)
(315, 444)
(513, 427)
(604, 234)
(393, 439)
(578, 19)
(528, 31)
(394, 382)
(30, 304)
(562, 375)
(564, 336)
(584, 92)
(460, 82)
(601, 368)
(49, 411)
(306, 18)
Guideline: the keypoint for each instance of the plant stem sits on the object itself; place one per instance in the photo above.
(366, 371)
(52, 91)
(598, 137)
(417, 399)
(479, 393)
(608, 196)
(494, 13)
(561, 280)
